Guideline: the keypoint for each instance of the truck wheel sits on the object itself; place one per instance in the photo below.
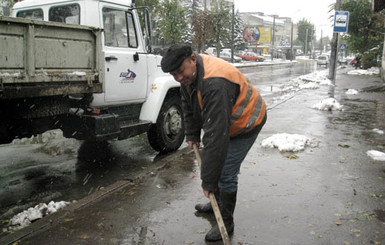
(168, 132)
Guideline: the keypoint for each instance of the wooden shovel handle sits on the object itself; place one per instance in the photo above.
(214, 204)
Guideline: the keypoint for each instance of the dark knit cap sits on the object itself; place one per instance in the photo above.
(174, 57)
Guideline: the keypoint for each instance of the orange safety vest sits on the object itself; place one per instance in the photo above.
(249, 109)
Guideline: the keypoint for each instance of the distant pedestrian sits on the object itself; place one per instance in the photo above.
(217, 98)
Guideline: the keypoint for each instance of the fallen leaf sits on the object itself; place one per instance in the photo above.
(201, 231)
(292, 156)
(85, 237)
(343, 146)
(338, 223)
(355, 231)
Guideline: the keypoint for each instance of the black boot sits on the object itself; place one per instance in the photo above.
(207, 208)
(228, 201)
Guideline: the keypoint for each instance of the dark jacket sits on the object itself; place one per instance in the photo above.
(219, 96)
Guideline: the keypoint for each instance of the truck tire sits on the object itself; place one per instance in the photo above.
(168, 133)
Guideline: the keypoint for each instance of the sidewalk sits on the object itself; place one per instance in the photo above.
(330, 193)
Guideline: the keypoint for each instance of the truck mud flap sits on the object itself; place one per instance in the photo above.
(91, 127)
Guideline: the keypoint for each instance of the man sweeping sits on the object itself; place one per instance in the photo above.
(217, 98)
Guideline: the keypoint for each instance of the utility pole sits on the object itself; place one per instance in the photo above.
(272, 45)
(307, 31)
(232, 35)
(291, 42)
(322, 47)
(334, 51)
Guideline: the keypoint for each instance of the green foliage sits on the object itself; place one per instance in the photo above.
(305, 27)
(173, 24)
(365, 31)
(221, 26)
(369, 59)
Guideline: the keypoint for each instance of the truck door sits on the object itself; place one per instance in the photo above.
(126, 66)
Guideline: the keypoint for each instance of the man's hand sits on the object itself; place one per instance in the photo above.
(191, 143)
(206, 193)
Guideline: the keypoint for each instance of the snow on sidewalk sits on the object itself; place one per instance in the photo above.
(376, 155)
(286, 142)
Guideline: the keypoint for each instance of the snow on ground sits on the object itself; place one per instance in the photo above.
(378, 131)
(328, 104)
(376, 155)
(52, 142)
(318, 77)
(286, 142)
(26, 217)
(351, 92)
(371, 71)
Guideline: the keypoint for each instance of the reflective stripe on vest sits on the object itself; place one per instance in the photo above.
(249, 109)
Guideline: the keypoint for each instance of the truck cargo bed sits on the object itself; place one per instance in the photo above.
(40, 58)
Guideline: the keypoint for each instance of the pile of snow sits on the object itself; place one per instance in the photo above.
(52, 142)
(371, 71)
(310, 85)
(286, 142)
(26, 217)
(328, 104)
(351, 92)
(378, 131)
(376, 155)
(40, 138)
(319, 77)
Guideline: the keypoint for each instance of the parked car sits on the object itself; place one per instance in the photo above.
(251, 56)
(342, 61)
(226, 56)
(323, 60)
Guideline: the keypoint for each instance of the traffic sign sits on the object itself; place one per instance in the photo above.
(342, 46)
(341, 20)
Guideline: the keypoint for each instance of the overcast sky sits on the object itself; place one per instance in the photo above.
(314, 11)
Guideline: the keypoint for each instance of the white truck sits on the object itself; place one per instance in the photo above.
(85, 67)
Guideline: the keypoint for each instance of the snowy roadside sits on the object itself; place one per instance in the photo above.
(285, 142)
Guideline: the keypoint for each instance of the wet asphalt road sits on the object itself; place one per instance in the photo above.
(66, 169)
(332, 193)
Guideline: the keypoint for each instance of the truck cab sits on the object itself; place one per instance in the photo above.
(136, 97)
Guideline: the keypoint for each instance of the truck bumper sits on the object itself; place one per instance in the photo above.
(91, 127)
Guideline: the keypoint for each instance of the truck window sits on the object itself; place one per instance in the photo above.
(69, 14)
(119, 29)
(34, 14)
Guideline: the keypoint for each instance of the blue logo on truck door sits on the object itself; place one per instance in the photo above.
(128, 76)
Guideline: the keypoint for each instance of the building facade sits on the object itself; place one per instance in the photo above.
(269, 34)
